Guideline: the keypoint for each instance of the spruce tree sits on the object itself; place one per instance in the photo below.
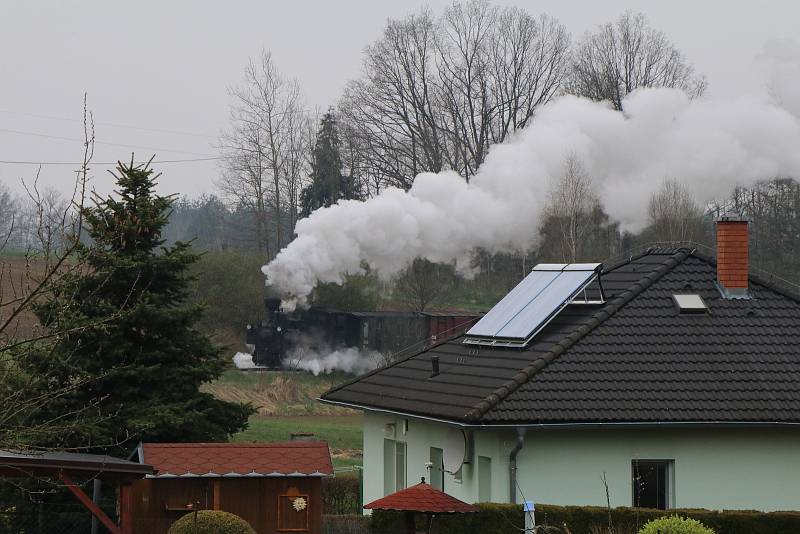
(328, 184)
(133, 329)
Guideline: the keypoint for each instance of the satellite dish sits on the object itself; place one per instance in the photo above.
(455, 450)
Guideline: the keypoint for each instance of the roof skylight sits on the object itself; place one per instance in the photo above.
(690, 303)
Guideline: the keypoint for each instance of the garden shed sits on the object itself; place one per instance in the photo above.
(276, 487)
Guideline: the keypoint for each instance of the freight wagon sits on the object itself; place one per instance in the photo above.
(392, 333)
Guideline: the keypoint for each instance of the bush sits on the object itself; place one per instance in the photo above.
(340, 495)
(345, 524)
(210, 522)
(675, 525)
(507, 518)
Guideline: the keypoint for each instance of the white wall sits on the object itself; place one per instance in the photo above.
(746, 468)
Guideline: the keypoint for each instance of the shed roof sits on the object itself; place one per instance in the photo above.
(422, 498)
(25, 462)
(633, 359)
(289, 459)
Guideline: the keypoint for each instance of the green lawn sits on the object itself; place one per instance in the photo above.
(342, 432)
(256, 379)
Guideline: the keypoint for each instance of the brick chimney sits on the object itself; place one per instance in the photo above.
(732, 256)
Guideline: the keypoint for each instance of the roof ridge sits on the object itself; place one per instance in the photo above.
(526, 373)
(757, 278)
(232, 445)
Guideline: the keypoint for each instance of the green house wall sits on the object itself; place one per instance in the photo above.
(716, 468)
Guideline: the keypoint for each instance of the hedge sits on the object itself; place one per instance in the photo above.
(340, 495)
(210, 522)
(345, 524)
(508, 519)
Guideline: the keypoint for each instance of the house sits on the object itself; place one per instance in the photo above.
(275, 487)
(670, 379)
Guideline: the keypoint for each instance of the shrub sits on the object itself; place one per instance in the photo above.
(675, 525)
(340, 495)
(506, 518)
(211, 522)
(345, 524)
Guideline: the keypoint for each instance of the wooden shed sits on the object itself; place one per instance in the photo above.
(276, 487)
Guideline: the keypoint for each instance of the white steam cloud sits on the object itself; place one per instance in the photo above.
(349, 360)
(310, 352)
(243, 360)
(708, 144)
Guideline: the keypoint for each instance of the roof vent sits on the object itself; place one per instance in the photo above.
(434, 366)
(690, 304)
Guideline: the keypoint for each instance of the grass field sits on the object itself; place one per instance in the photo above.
(344, 433)
(286, 403)
(278, 393)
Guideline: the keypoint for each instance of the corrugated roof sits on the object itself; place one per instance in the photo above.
(290, 459)
(633, 359)
(422, 498)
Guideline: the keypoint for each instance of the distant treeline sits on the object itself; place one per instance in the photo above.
(580, 230)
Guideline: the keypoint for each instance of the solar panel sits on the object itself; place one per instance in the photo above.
(533, 303)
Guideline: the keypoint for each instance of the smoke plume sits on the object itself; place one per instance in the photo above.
(708, 144)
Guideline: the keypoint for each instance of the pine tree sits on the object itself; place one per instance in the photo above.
(328, 184)
(134, 331)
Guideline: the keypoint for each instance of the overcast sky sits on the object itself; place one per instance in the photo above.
(166, 66)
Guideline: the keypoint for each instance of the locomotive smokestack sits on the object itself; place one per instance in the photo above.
(272, 300)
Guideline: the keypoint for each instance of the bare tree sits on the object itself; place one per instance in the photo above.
(8, 216)
(572, 201)
(263, 150)
(620, 57)
(393, 105)
(24, 281)
(673, 213)
(496, 66)
(437, 93)
(423, 283)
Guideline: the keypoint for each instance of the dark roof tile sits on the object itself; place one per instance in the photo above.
(634, 359)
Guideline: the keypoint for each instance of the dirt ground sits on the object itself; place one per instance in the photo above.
(17, 277)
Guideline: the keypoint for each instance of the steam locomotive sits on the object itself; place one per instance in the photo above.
(391, 333)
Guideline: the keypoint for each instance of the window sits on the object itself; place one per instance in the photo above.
(484, 479)
(394, 466)
(400, 466)
(364, 335)
(437, 468)
(388, 466)
(651, 482)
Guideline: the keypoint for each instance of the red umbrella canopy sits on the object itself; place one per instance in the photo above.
(422, 498)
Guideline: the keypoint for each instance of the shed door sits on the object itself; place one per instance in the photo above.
(293, 512)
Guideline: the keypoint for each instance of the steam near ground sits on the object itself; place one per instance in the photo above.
(309, 352)
(709, 144)
(348, 360)
(242, 360)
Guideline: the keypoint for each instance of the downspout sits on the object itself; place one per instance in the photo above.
(512, 465)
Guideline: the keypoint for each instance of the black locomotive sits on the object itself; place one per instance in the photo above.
(391, 333)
